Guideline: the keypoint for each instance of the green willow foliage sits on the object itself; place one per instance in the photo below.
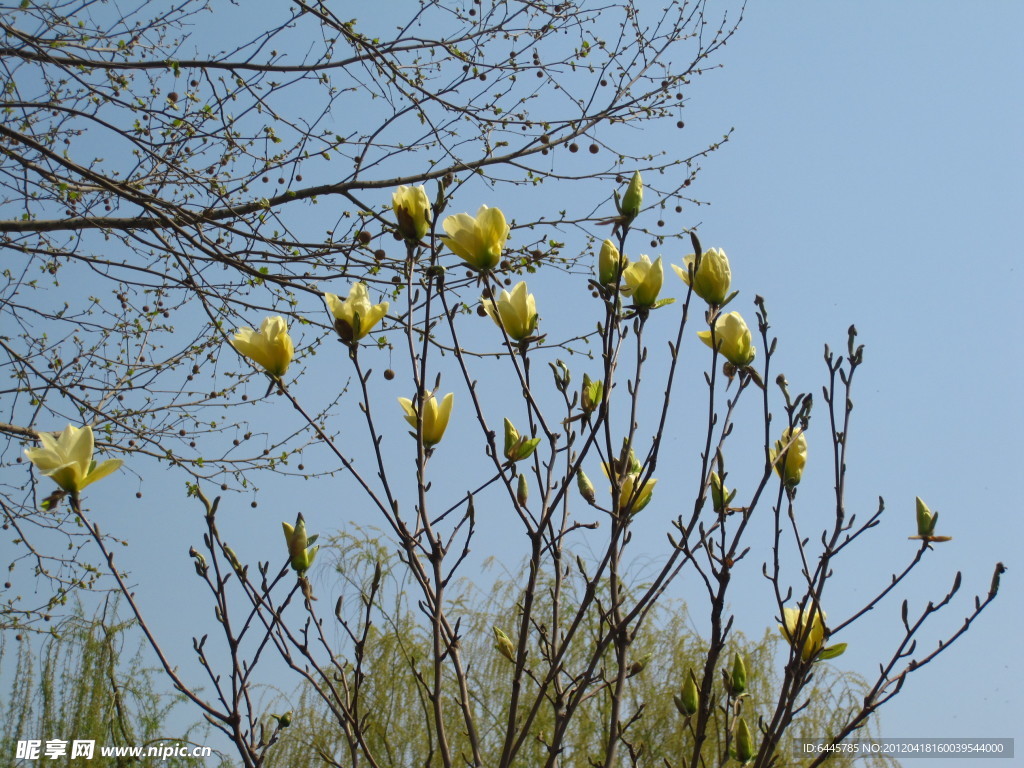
(396, 656)
(83, 685)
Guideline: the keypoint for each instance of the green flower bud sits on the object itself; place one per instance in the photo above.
(518, 448)
(738, 678)
(633, 199)
(591, 395)
(522, 491)
(688, 700)
(744, 742)
(299, 553)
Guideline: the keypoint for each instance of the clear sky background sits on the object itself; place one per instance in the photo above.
(873, 177)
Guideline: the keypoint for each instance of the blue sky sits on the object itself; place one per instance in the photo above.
(873, 178)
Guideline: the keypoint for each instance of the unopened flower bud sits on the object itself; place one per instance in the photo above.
(586, 487)
(504, 645)
(633, 199)
(522, 491)
(738, 678)
(688, 700)
(744, 742)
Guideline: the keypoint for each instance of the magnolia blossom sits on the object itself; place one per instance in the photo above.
(270, 347)
(711, 278)
(793, 444)
(478, 241)
(435, 417)
(517, 312)
(412, 210)
(642, 281)
(733, 338)
(355, 317)
(67, 459)
(633, 494)
(808, 624)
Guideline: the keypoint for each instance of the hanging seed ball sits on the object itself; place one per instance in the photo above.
(138, 494)
(539, 73)
(396, 279)
(604, 82)
(680, 124)
(481, 311)
(679, 209)
(544, 151)
(194, 83)
(389, 374)
(253, 505)
(302, 467)
(265, 179)
(594, 149)
(654, 243)
(661, 223)
(223, 486)
(574, 147)
(364, 237)
(379, 255)
(172, 96)
(545, 139)
(298, 177)
(280, 179)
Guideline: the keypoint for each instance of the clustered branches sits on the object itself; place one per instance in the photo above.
(166, 174)
(445, 100)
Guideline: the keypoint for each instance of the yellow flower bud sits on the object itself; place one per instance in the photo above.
(412, 211)
(711, 278)
(270, 347)
(586, 487)
(643, 281)
(794, 447)
(300, 556)
(67, 459)
(610, 263)
(633, 199)
(355, 317)
(733, 338)
(516, 312)
(504, 645)
(435, 417)
(719, 493)
(478, 241)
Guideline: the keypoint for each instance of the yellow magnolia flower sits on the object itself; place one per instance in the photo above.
(610, 263)
(640, 496)
(67, 459)
(270, 347)
(412, 210)
(435, 417)
(300, 556)
(791, 467)
(517, 310)
(733, 338)
(809, 622)
(643, 281)
(711, 278)
(355, 316)
(478, 241)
